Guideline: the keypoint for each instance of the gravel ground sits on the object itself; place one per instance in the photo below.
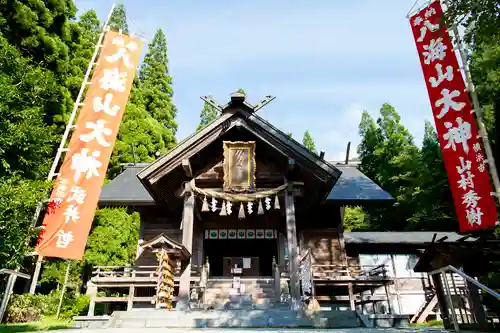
(263, 330)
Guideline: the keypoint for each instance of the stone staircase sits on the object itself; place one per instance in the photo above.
(270, 318)
(258, 294)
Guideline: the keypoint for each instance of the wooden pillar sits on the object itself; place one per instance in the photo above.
(187, 241)
(291, 232)
(475, 299)
(443, 305)
(352, 301)
(131, 293)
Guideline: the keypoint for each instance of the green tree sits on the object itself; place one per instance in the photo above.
(17, 206)
(207, 115)
(147, 134)
(41, 30)
(85, 33)
(155, 83)
(388, 155)
(114, 237)
(26, 142)
(118, 20)
(308, 142)
(432, 200)
(355, 219)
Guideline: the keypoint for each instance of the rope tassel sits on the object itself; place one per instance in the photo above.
(204, 206)
(276, 202)
(223, 209)
(260, 208)
(241, 213)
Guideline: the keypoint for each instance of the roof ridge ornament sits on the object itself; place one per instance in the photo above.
(238, 98)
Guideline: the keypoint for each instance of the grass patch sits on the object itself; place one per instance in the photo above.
(430, 323)
(46, 324)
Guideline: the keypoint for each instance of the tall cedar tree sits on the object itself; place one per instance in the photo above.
(155, 85)
(25, 147)
(308, 142)
(432, 201)
(118, 20)
(209, 113)
(149, 120)
(388, 155)
(41, 30)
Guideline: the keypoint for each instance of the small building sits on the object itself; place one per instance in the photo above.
(255, 212)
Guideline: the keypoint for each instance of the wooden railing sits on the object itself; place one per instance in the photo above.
(346, 272)
(133, 273)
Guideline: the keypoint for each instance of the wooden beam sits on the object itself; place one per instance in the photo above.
(290, 168)
(186, 166)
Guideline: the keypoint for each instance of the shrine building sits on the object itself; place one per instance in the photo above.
(250, 211)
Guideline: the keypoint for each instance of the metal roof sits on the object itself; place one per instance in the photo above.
(399, 237)
(126, 189)
(353, 186)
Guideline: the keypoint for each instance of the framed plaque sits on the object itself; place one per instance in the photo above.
(239, 166)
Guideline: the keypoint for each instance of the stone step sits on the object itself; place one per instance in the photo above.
(277, 318)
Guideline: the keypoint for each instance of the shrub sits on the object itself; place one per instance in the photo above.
(22, 309)
(27, 307)
(75, 306)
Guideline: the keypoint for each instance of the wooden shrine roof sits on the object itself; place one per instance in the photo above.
(237, 122)
(353, 187)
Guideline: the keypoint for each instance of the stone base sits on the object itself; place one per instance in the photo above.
(269, 318)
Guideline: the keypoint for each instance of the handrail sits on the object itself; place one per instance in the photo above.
(468, 278)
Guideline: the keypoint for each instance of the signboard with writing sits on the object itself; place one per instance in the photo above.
(456, 126)
(78, 185)
(239, 166)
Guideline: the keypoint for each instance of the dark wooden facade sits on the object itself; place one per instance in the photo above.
(309, 221)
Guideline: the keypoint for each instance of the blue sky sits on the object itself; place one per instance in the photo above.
(325, 61)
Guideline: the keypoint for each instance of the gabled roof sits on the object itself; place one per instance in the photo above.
(126, 189)
(162, 239)
(354, 186)
(238, 116)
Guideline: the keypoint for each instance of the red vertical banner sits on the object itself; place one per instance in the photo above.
(455, 122)
(74, 199)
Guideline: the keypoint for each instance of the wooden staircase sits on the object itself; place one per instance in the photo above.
(258, 293)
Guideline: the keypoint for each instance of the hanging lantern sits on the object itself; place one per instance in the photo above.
(204, 206)
(223, 209)
(229, 207)
(276, 202)
(241, 213)
(250, 207)
(214, 205)
(260, 209)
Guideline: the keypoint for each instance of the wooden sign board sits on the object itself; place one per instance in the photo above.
(239, 166)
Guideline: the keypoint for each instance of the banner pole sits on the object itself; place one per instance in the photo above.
(68, 266)
(61, 149)
(490, 159)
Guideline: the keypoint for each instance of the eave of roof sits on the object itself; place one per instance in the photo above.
(126, 189)
(352, 187)
(355, 187)
(400, 237)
